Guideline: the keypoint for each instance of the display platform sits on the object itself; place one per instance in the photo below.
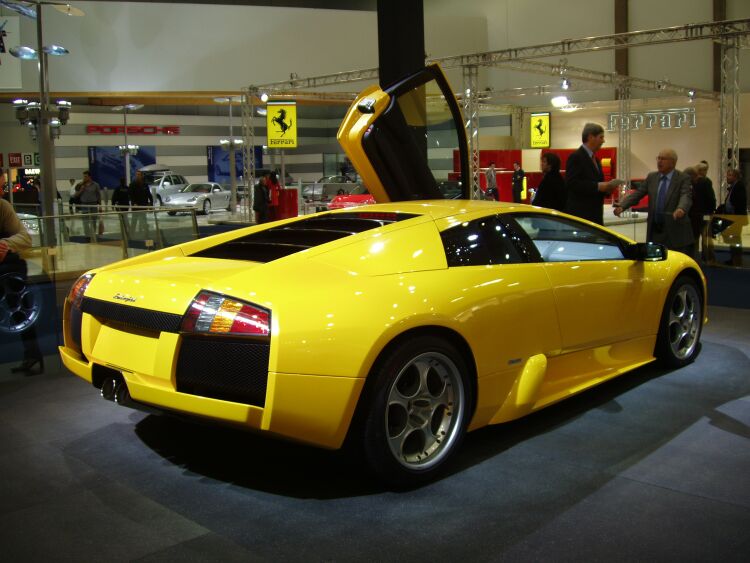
(650, 466)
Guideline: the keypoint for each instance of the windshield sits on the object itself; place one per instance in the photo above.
(359, 190)
(197, 188)
(153, 177)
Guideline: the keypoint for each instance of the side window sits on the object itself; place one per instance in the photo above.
(479, 243)
(565, 240)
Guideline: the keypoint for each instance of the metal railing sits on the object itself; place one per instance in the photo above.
(91, 237)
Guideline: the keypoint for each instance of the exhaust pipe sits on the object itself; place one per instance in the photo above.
(122, 395)
(109, 387)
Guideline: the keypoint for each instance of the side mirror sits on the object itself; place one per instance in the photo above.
(646, 252)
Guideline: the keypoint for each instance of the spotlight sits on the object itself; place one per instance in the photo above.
(264, 97)
(565, 84)
(560, 101)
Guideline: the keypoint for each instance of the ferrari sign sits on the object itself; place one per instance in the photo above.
(281, 124)
(539, 128)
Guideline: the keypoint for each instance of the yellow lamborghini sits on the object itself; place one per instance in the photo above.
(399, 326)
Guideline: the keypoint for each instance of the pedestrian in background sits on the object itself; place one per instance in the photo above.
(551, 190)
(518, 176)
(89, 194)
(670, 197)
(585, 188)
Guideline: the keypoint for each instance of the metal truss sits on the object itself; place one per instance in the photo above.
(733, 34)
(623, 136)
(576, 74)
(729, 110)
(248, 149)
(690, 32)
(471, 115)
(516, 125)
(295, 83)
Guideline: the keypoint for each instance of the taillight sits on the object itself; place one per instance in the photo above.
(211, 313)
(79, 288)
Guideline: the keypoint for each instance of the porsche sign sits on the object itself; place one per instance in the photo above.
(132, 130)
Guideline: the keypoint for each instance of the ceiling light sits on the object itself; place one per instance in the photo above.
(69, 10)
(560, 101)
(23, 52)
(128, 107)
(565, 84)
(691, 95)
(264, 97)
(55, 50)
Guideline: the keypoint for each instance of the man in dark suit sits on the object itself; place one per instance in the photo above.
(670, 196)
(518, 176)
(584, 181)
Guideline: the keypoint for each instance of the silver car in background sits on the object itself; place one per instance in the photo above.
(202, 196)
(162, 181)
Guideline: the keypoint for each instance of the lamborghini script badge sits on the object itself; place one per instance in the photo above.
(121, 297)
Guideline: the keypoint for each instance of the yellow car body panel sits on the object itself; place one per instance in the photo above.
(537, 332)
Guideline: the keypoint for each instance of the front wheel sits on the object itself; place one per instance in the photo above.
(678, 341)
(419, 411)
(206, 207)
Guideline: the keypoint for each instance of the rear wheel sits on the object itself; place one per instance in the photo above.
(419, 411)
(172, 213)
(678, 341)
(206, 207)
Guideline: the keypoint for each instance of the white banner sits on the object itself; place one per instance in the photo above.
(10, 66)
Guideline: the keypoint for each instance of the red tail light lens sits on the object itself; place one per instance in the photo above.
(79, 288)
(211, 313)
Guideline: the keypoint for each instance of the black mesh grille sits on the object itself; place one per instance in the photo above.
(133, 316)
(230, 369)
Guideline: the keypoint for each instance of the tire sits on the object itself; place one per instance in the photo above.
(20, 304)
(417, 414)
(171, 213)
(678, 341)
(206, 207)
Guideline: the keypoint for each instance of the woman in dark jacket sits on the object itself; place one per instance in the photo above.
(121, 197)
(551, 190)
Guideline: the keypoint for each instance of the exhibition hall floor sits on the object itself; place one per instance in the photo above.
(652, 466)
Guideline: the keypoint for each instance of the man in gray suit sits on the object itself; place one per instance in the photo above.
(669, 200)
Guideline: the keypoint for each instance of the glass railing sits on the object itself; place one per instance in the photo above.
(33, 289)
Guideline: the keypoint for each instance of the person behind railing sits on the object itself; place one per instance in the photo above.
(140, 196)
(89, 194)
(551, 190)
(121, 197)
(261, 199)
(735, 205)
(14, 239)
(670, 196)
(704, 203)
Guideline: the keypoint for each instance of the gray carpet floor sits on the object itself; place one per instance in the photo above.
(652, 466)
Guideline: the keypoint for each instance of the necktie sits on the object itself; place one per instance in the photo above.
(661, 198)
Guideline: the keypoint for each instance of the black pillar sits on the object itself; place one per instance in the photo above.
(400, 39)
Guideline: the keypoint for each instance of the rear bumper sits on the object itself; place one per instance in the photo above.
(313, 409)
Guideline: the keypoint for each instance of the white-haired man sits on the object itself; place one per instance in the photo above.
(670, 197)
